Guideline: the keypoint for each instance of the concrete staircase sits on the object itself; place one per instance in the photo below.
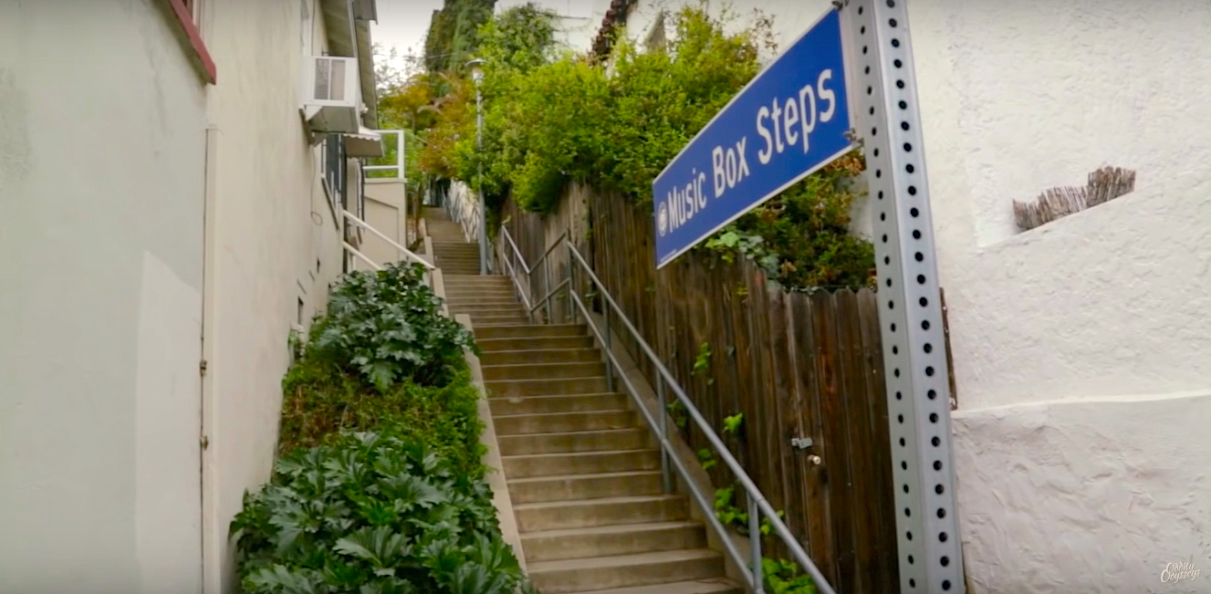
(452, 253)
(582, 469)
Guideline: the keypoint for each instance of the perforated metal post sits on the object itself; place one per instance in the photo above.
(884, 101)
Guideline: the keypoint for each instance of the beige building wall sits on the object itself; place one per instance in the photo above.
(275, 246)
(102, 138)
(384, 212)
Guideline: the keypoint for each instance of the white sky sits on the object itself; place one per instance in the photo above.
(403, 23)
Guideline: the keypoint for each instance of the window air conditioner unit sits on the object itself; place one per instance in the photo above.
(331, 93)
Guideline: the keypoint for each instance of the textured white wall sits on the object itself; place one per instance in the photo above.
(276, 242)
(1085, 495)
(102, 125)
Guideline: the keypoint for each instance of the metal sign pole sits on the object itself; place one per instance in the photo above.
(910, 315)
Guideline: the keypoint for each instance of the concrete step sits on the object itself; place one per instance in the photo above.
(543, 370)
(585, 486)
(533, 331)
(557, 515)
(502, 302)
(481, 295)
(564, 422)
(544, 387)
(505, 320)
(479, 318)
(492, 345)
(704, 586)
(498, 309)
(477, 279)
(557, 464)
(557, 404)
(541, 356)
(580, 441)
(606, 541)
(462, 296)
(596, 573)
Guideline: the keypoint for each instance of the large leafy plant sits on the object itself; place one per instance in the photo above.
(386, 326)
(372, 513)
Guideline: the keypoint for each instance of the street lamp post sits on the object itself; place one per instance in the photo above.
(477, 75)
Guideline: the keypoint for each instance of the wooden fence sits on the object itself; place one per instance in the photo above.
(795, 365)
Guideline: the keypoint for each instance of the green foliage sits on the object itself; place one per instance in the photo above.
(784, 577)
(548, 122)
(386, 327)
(730, 515)
(732, 424)
(677, 412)
(702, 363)
(371, 512)
(801, 238)
(726, 510)
(453, 36)
(320, 401)
(706, 459)
(552, 120)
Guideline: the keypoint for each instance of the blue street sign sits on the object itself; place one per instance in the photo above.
(790, 121)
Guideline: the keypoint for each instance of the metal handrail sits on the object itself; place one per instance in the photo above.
(403, 250)
(758, 506)
(532, 306)
(516, 251)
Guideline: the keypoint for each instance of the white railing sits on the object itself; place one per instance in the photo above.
(403, 251)
(400, 159)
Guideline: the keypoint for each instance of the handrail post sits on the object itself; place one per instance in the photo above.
(571, 282)
(754, 539)
(609, 369)
(546, 271)
(663, 430)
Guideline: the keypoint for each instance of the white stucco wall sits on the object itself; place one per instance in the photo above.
(1081, 348)
(275, 242)
(102, 126)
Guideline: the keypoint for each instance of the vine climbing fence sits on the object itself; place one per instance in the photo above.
(798, 367)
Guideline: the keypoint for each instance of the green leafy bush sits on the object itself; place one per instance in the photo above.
(372, 513)
(614, 126)
(785, 577)
(320, 401)
(801, 238)
(386, 327)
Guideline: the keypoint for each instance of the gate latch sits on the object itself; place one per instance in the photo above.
(801, 443)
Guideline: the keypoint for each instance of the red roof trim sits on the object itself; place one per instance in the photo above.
(185, 19)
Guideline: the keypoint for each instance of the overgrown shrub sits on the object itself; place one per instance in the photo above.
(372, 513)
(319, 402)
(801, 238)
(386, 327)
(550, 120)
